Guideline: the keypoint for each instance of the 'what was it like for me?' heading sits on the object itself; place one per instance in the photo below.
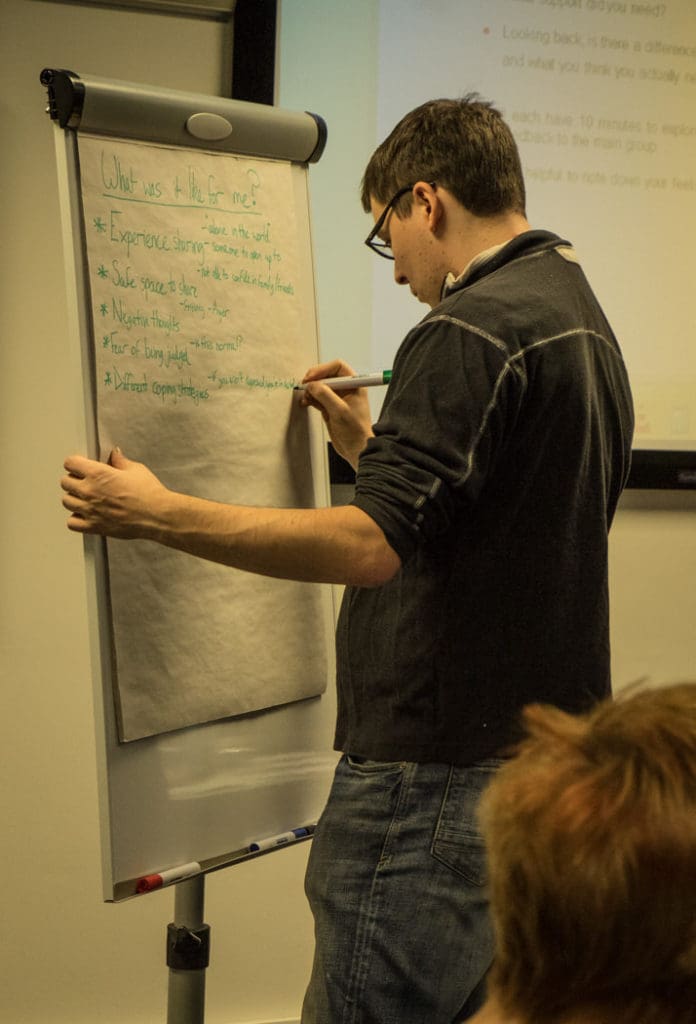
(172, 261)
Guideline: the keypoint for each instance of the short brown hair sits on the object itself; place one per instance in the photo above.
(464, 145)
(591, 832)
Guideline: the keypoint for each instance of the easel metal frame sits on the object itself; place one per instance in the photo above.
(187, 936)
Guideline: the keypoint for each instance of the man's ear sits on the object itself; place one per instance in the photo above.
(426, 199)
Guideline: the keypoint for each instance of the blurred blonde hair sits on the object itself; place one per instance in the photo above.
(591, 833)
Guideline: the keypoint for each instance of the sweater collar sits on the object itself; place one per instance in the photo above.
(498, 255)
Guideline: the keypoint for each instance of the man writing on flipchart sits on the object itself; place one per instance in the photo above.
(474, 555)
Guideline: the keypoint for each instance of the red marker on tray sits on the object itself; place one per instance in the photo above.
(168, 877)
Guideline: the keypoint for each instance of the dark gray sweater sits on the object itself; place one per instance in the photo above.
(499, 456)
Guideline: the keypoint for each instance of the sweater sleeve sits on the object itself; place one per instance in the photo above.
(452, 399)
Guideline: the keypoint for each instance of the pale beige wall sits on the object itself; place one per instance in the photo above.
(67, 957)
(653, 587)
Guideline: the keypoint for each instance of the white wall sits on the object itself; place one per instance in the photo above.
(328, 64)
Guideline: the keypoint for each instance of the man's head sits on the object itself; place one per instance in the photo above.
(591, 832)
(462, 145)
(445, 185)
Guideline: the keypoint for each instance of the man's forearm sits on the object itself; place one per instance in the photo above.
(330, 545)
(333, 545)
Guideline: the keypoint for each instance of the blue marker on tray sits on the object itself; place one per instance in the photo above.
(280, 840)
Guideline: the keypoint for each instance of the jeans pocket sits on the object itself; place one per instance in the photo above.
(364, 766)
(458, 843)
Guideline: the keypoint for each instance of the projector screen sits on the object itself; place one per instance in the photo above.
(601, 96)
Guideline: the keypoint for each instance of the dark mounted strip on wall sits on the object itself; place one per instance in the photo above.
(663, 470)
(650, 470)
(340, 471)
(254, 51)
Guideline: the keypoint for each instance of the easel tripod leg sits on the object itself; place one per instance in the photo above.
(188, 954)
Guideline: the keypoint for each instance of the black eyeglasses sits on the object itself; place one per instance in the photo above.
(373, 241)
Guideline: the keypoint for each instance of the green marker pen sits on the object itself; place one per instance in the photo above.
(367, 380)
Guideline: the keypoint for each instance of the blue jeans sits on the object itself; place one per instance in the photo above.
(396, 882)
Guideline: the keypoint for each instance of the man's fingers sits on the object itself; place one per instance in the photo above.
(325, 395)
(78, 524)
(332, 407)
(336, 368)
(78, 465)
(73, 502)
(69, 483)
